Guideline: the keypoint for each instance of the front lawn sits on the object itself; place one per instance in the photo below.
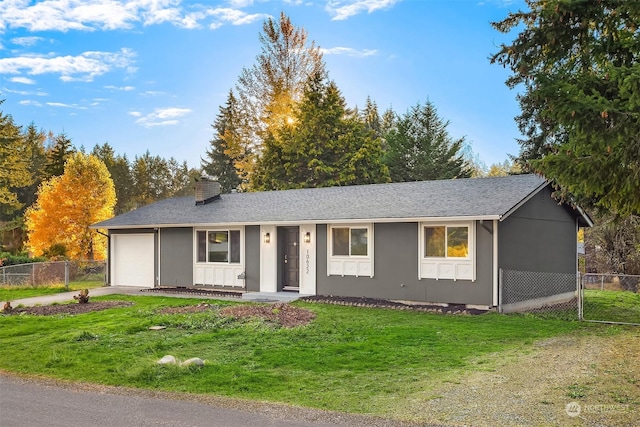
(348, 359)
(14, 292)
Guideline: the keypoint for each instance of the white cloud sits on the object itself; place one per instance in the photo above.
(240, 3)
(30, 102)
(23, 80)
(235, 16)
(83, 67)
(349, 51)
(26, 41)
(160, 117)
(63, 105)
(91, 15)
(25, 92)
(122, 88)
(344, 9)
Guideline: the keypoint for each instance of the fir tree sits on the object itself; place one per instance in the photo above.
(420, 148)
(57, 156)
(218, 163)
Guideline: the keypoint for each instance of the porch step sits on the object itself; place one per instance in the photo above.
(271, 296)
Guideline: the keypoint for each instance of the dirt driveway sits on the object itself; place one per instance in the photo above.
(566, 381)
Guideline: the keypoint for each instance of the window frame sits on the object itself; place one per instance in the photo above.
(350, 244)
(446, 256)
(351, 265)
(447, 267)
(230, 250)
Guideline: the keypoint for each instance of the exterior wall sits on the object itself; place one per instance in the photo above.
(540, 236)
(176, 256)
(252, 257)
(396, 270)
(134, 231)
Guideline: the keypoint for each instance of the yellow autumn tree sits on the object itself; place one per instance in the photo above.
(68, 204)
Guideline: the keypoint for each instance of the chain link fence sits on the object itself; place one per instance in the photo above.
(538, 292)
(52, 273)
(610, 298)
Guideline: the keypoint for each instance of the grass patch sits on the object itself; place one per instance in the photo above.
(14, 292)
(612, 306)
(348, 359)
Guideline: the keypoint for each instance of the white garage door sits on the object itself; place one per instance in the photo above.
(132, 258)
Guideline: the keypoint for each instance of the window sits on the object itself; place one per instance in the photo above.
(446, 241)
(350, 250)
(221, 246)
(349, 241)
(447, 251)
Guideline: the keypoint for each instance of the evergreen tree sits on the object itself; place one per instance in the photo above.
(577, 67)
(14, 166)
(269, 90)
(371, 117)
(419, 148)
(57, 155)
(219, 164)
(35, 154)
(120, 170)
(323, 145)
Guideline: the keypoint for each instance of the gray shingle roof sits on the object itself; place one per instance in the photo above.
(473, 198)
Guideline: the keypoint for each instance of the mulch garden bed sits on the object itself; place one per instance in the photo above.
(51, 310)
(381, 303)
(195, 291)
(282, 314)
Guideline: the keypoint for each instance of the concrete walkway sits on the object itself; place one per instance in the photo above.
(68, 296)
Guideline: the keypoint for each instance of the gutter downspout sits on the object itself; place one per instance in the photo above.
(495, 263)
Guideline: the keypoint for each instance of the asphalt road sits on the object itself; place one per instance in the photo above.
(26, 402)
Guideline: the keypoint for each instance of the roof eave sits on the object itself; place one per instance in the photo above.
(304, 222)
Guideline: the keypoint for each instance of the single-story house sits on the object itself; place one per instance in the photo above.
(430, 241)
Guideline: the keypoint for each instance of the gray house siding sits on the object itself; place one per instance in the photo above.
(396, 270)
(539, 236)
(252, 257)
(176, 256)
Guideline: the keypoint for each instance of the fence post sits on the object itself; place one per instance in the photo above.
(66, 274)
(602, 282)
(580, 285)
(500, 291)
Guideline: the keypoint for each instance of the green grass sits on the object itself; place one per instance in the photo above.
(11, 293)
(348, 359)
(612, 306)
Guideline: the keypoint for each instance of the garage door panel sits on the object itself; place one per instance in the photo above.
(132, 258)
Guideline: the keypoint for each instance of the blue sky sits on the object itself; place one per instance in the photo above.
(152, 74)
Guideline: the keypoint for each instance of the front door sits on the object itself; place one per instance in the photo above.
(290, 262)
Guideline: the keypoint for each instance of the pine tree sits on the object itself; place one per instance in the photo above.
(120, 171)
(219, 163)
(323, 145)
(576, 65)
(57, 155)
(14, 166)
(419, 148)
(270, 89)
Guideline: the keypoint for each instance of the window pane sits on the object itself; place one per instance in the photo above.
(434, 241)
(202, 246)
(218, 246)
(458, 242)
(340, 241)
(359, 241)
(235, 246)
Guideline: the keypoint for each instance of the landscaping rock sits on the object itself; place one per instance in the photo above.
(168, 360)
(193, 361)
